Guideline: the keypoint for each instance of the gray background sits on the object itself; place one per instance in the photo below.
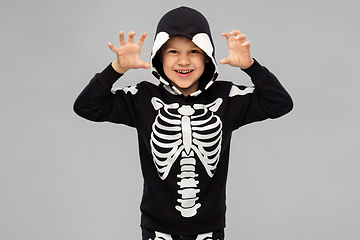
(62, 177)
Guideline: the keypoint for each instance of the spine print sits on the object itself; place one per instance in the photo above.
(188, 187)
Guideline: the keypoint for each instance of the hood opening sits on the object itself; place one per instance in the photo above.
(189, 23)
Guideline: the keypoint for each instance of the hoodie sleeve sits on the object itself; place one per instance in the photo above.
(268, 99)
(98, 103)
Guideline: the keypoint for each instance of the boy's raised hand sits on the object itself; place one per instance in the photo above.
(239, 50)
(128, 55)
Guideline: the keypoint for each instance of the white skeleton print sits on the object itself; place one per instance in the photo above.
(184, 132)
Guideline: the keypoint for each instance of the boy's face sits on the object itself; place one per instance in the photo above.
(183, 63)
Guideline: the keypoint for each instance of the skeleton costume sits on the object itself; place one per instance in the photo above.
(184, 142)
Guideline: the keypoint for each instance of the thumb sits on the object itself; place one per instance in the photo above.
(145, 65)
(112, 47)
(225, 61)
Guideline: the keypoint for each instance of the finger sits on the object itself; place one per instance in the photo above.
(235, 32)
(240, 37)
(227, 36)
(131, 35)
(122, 38)
(112, 47)
(246, 44)
(225, 61)
(145, 65)
(141, 39)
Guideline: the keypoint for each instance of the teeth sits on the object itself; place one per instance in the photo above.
(183, 72)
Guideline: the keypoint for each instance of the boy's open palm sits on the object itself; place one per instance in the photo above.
(128, 55)
(239, 50)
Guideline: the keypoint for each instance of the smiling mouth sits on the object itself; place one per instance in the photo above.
(184, 72)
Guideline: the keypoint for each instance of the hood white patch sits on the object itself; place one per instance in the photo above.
(202, 40)
(171, 90)
(160, 39)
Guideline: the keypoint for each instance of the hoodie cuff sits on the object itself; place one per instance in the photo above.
(255, 71)
(109, 76)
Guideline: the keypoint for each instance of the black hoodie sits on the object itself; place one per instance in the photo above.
(184, 142)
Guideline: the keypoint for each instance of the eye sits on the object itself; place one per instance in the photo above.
(173, 51)
(195, 51)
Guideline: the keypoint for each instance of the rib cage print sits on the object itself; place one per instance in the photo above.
(188, 133)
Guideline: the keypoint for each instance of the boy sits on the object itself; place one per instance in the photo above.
(185, 123)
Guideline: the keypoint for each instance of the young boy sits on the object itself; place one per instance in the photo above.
(185, 123)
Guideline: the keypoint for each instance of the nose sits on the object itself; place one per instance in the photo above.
(183, 60)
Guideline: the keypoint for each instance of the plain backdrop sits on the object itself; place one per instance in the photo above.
(66, 178)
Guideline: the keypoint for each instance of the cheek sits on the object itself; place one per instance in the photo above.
(166, 66)
(200, 64)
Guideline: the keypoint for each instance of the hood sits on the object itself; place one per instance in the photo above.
(189, 23)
